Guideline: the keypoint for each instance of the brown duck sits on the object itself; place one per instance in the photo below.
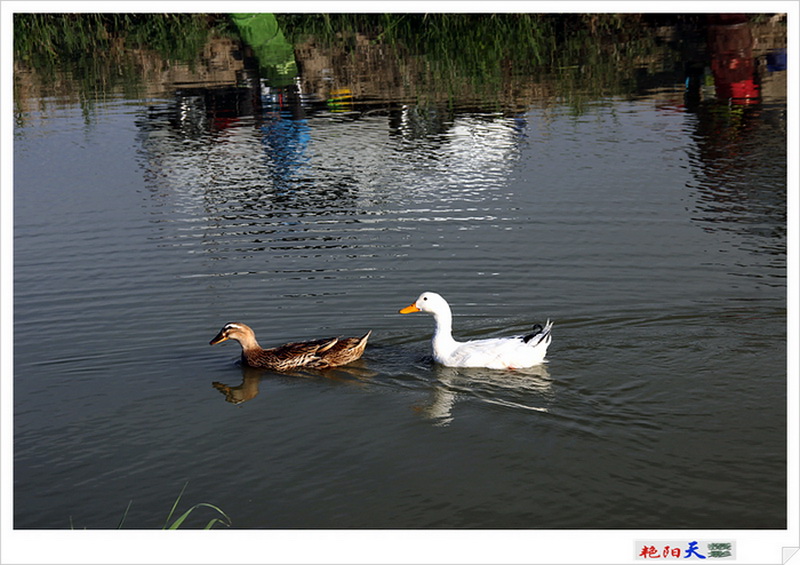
(316, 354)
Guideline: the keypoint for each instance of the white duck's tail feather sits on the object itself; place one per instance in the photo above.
(539, 335)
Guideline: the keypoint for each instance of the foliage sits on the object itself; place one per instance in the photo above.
(99, 51)
(537, 39)
(573, 51)
(224, 520)
(445, 56)
(42, 38)
(174, 524)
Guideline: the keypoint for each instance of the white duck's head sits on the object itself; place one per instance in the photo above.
(429, 302)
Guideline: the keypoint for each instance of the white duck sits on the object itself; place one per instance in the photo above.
(514, 352)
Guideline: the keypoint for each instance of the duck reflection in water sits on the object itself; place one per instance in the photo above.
(354, 373)
(526, 389)
(248, 390)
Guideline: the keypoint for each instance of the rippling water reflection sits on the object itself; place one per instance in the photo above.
(747, 204)
(654, 235)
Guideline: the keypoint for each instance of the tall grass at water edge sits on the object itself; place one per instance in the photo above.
(533, 38)
(46, 39)
(173, 523)
(582, 56)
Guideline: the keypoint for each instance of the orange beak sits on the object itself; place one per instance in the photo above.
(409, 309)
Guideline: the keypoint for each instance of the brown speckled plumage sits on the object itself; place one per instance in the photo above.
(316, 354)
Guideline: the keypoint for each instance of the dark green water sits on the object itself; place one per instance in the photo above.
(649, 227)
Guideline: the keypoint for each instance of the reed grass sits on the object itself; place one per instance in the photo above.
(582, 54)
(46, 38)
(538, 39)
(173, 523)
(178, 522)
(463, 40)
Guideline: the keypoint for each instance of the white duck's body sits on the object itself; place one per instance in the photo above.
(515, 352)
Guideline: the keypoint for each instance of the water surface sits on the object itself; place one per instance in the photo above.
(652, 232)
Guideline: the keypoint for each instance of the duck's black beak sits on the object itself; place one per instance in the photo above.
(218, 339)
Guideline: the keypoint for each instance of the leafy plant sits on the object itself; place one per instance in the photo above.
(53, 39)
(174, 524)
(224, 520)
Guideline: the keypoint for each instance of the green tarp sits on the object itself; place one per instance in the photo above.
(275, 55)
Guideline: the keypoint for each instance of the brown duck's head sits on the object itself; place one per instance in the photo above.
(233, 330)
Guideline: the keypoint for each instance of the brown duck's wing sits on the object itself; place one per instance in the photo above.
(349, 343)
(301, 353)
(345, 351)
(300, 347)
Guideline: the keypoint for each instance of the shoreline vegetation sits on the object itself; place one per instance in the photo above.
(481, 45)
(39, 37)
(493, 61)
(174, 523)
